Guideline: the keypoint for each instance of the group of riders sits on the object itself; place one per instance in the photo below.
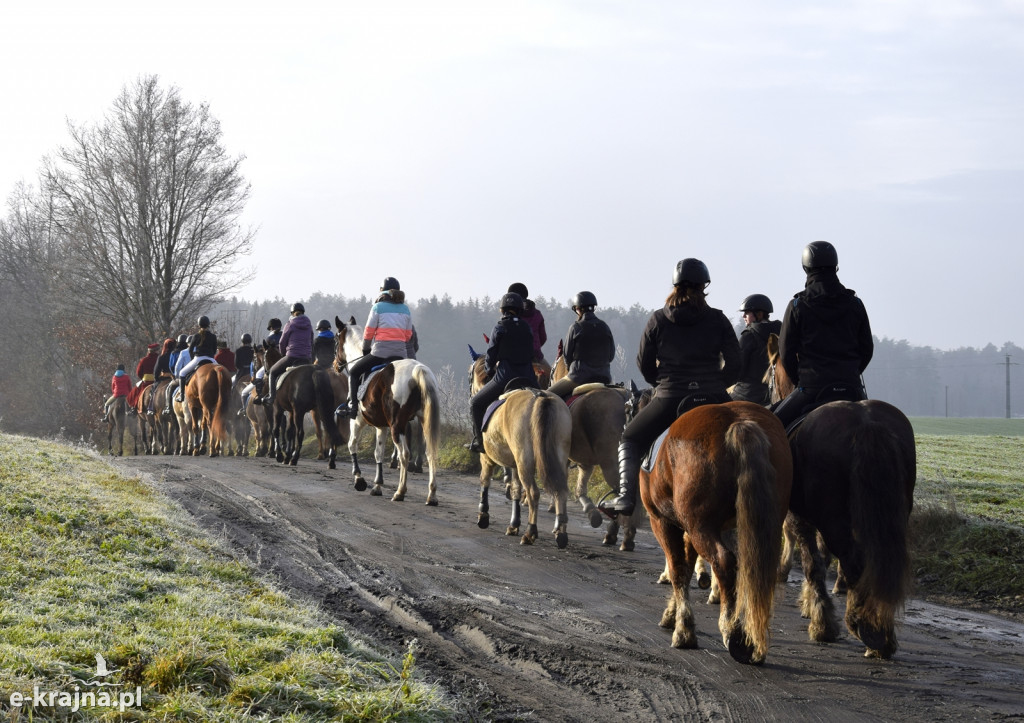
(689, 353)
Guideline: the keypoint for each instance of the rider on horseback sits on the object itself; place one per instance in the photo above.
(180, 350)
(688, 353)
(323, 345)
(387, 336)
(753, 349)
(244, 356)
(532, 316)
(120, 385)
(296, 345)
(588, 350)
(825, 343)
(201, 349)
(509, 357)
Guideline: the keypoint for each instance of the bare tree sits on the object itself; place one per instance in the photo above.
(148, 204)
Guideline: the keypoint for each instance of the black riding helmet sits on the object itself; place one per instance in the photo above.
(390, 284)
(298, 307)
(757, 302)
(182, 338)
(247, 338)
(512, 302)
(820, 255)
(204, 322)
(691, 271)
(274, 324)
(323, 325)
(584, 299)
(519, 288)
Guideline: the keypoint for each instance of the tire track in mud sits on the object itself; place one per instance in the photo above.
(539, 633)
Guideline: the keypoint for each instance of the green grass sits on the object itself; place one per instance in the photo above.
(968, 426)
(94, 562)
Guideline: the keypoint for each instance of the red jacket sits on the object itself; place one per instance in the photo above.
(120, 385)
(226, 358)
(146, 366)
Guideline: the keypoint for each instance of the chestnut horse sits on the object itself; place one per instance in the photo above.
(854, 470)
(530, 433)
(208, 396)
(722, 466)
(400, 392)
(598, 416)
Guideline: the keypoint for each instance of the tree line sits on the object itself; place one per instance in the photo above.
(133, 230)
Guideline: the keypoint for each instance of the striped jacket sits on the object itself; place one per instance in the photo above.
(388, 332)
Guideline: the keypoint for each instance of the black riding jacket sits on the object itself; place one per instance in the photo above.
(754, 352)
(510, 352)
(826, 336)
(589, 350)
(203, 344)
(687, 349)
(243, 359)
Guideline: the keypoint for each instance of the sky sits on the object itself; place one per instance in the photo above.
(571, 145)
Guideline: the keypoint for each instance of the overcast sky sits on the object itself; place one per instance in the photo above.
(460, 146)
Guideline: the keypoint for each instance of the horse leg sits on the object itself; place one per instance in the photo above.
(402, 450)
(815, 602)
(353, 445)
(483, 518)
(378, 456)
(506, 478)
(300, 437)
(789, 544)
(517, 493)
(678, 613)
(589, 508)
(724, 565)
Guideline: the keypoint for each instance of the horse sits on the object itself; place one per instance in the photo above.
(530, 434)
(308, 388)
(598, 416)
(208, 396)
(400, 392)
(854, 471)
(116, 421)
(256, 415)
(722, 466)
(162, 429)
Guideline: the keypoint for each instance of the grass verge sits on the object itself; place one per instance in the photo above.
(94, 563)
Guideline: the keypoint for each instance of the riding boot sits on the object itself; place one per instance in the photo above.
(629, 481)
(476, 444)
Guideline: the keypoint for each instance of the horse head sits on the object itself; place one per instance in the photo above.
(340, 355)
(638, 399)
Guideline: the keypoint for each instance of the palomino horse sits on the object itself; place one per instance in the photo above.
(529, 435)
(400, 392)
(722, 466)
(208, 396)
(854, 470)
(598, 416)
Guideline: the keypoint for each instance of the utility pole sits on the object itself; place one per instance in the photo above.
(1008, 364)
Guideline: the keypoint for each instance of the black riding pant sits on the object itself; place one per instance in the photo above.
(489, 394)
(803, 399)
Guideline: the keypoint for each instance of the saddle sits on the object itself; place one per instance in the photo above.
(690, 401)
(828, 393)
(509, 388)
(364, 385)
(592, 387)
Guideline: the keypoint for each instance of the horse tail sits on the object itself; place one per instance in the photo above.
(550, 443)
(220, 411)
(323, 392)
(879, 512)
(758, 530)
(431, 411)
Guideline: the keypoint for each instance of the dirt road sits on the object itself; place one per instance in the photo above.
(538, 633)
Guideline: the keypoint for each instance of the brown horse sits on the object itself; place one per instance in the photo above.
(598, 416)
(854, 470)
(162, 428)
(208, 396)
(722, 466)
(301, 390)
(400, 392)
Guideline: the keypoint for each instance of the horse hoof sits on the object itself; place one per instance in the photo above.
(431, 503)
(740, 650)
(512, 531)
(417, 468)
(376, 491)
(280, 457)
(704, 581)
(294, 462)
(627, 546)
(561, 539)
(331, 465)
(360, 484)
(610, 539)
(873, 638)
(596, 518)
(398, 498)
(526, 540)
(393, 465)
(483, 522)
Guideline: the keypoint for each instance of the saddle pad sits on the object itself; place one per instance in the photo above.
(490, 411)
(647, 463)
(366, 381)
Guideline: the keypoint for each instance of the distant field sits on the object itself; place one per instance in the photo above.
(971, 426)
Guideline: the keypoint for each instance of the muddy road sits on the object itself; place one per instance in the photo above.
(538, 633)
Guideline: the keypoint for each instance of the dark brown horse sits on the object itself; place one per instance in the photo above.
(854, 470)
(722, 466)
(208, 396)
(162, 428)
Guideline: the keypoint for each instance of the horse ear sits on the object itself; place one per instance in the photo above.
(632, 387)
(351, 321)
(338, 323)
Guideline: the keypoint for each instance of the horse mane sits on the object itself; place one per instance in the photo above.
(779, 384)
